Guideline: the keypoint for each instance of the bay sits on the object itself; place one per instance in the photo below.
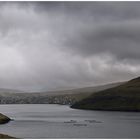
(61, 121)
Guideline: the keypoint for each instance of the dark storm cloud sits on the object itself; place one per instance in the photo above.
(106, 26)
(56, 45)
(118, 10)
(120, 39)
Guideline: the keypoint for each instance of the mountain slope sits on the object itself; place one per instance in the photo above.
(125, 97)
(52, 97)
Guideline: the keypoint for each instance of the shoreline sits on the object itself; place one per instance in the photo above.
(3, 120)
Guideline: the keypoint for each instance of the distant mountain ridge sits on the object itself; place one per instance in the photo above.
(125, 97)
(68, 97)
(6, 90)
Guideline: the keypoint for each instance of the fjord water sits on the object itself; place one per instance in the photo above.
(60, 121)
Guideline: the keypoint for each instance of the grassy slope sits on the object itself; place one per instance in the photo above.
(81, 93)
(125, 97)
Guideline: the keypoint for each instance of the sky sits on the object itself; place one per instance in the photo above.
(62, 45)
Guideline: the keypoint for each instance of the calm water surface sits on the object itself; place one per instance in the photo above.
(60, 121)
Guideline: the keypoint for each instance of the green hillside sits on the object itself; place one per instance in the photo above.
(125, 97)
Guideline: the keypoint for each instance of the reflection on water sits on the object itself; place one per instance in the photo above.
(59, 121)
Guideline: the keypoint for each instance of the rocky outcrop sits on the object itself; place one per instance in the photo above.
(4, 119)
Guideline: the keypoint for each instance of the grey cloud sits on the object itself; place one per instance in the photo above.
(56, 45)
(120, 39)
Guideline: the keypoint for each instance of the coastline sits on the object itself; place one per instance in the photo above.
(3, 120)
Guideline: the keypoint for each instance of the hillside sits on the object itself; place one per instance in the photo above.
(68, 97)
(125, 97)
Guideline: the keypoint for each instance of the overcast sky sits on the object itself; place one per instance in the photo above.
(62, 45)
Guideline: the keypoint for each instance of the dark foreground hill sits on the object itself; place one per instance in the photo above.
(125, 97)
